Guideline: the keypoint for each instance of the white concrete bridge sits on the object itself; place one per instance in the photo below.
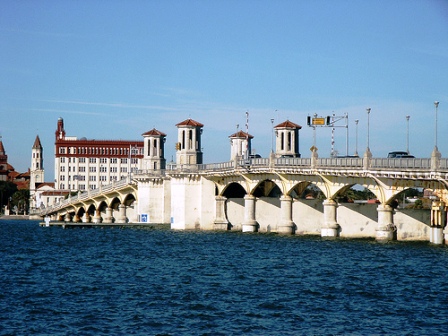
(264, 195)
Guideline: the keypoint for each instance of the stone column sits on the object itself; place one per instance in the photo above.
(121, 218)
(220, 222)
(438, 222)
(108, 217)
(386, 229)
(249, 224)
(97, 218)
(286, 224)
(330, 227)
(86, 218)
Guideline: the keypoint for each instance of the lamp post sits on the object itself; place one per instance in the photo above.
(436, 104)
(356, 138)
(368, 127)
(272, 135)
(407, 133)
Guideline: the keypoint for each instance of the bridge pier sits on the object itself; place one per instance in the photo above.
(330, 227)
(438, 221)
(121, 218)
(85, 218)
(249, 224)
(67, 218)
(97, 217)
(286, 224)
(220, 222)
(386, 229)
(108, 216)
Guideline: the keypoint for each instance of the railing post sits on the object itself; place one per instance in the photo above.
(435, 159)
(314, 157)
(367, 160)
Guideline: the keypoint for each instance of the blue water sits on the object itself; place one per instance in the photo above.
(146, 281)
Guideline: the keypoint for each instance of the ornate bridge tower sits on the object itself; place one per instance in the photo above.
(153, 156)
(188, 146)
(287, 139)
(240, 145)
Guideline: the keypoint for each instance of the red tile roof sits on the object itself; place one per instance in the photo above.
(154, 132)
(240, 134)
(190, 122)
(288, 124)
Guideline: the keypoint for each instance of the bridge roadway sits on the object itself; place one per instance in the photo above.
(126, 200)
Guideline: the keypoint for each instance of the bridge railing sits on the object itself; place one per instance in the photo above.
(401, 163)
(340, 162)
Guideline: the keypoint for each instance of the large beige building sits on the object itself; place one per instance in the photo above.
(82, 164)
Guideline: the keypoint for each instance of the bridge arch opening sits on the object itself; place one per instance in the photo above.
(306, 190)
(267, 188)
(234, 190)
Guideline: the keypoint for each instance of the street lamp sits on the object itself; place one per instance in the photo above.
(407, 133)
(272, 135)
(436, 104)
(368, 127)
(356, 139)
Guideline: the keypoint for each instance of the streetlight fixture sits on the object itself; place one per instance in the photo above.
(272, 135)
(407, 133)
(368, 127)
(436, 104)
(356, 138)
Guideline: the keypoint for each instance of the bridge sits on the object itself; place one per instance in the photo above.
(262, 195)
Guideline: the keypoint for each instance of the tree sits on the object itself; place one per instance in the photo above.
(7, 189)
(20, 200)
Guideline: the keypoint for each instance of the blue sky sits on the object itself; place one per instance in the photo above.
(116, 69)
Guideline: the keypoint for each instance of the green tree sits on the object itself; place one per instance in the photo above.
(7, 189)
(20, 199)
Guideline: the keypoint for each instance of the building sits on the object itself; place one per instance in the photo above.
(188, 146)
(240, 145)
(287, 139)
(82, 164)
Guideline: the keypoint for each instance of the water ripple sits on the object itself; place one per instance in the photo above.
(140, 281)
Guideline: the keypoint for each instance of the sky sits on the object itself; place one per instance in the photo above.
(116, 69)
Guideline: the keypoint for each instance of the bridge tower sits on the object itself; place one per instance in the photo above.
(287, 139)
(188, 146)
(240, 145)
(154, 150)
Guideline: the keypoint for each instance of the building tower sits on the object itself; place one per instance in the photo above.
(240, 145)
(37, 164)
(37, 170)
(4, 167)
(188, 146)
(60, 132)
(154, 150)
(287, 139)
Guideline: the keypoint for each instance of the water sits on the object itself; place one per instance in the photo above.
(142, 281)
